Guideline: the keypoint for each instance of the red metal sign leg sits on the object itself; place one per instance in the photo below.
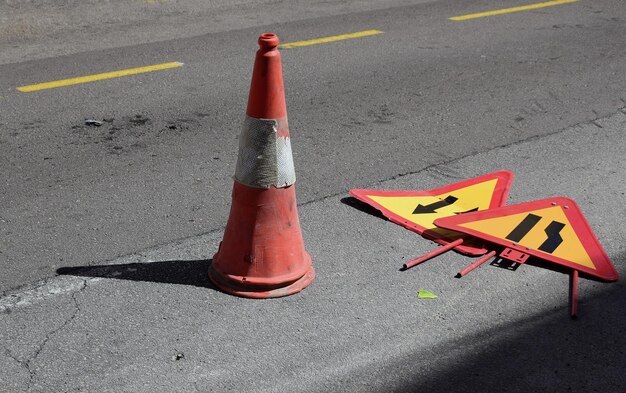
(573, 286)
(474, 265)
(432, 254)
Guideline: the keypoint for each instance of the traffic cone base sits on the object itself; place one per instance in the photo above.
(262, 249)
(243, 289)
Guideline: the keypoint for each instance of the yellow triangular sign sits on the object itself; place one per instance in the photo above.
(417, 210)
(551, 229)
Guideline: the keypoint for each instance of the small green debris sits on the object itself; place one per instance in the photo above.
(424, 294)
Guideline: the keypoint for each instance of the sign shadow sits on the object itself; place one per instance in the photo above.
(363, 207)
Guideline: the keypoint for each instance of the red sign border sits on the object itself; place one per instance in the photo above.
(504, 181)
(605, 269)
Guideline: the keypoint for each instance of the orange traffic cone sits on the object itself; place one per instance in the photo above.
(262, 253)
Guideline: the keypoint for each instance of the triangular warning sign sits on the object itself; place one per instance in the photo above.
(417, 210)
(551, 229)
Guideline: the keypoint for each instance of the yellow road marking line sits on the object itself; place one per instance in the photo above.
(514, 9)
(333, 38)
(97, 77)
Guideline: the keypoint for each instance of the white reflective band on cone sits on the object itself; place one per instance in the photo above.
(264, 158)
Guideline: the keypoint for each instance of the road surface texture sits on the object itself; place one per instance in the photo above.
(107, 232)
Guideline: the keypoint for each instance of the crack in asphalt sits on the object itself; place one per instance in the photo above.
(10, 354)
(478, 152)
(597, 124)
(23, 364)
(28, 363)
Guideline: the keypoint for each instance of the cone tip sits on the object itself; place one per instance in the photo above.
(268, 41)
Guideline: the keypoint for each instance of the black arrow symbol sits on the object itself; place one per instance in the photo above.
(523, 227)
(554, 238)
(432, 208)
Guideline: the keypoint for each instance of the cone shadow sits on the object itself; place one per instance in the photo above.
(193, 273)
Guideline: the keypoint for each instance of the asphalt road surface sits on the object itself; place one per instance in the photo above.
(108, 226)
(426, 91)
